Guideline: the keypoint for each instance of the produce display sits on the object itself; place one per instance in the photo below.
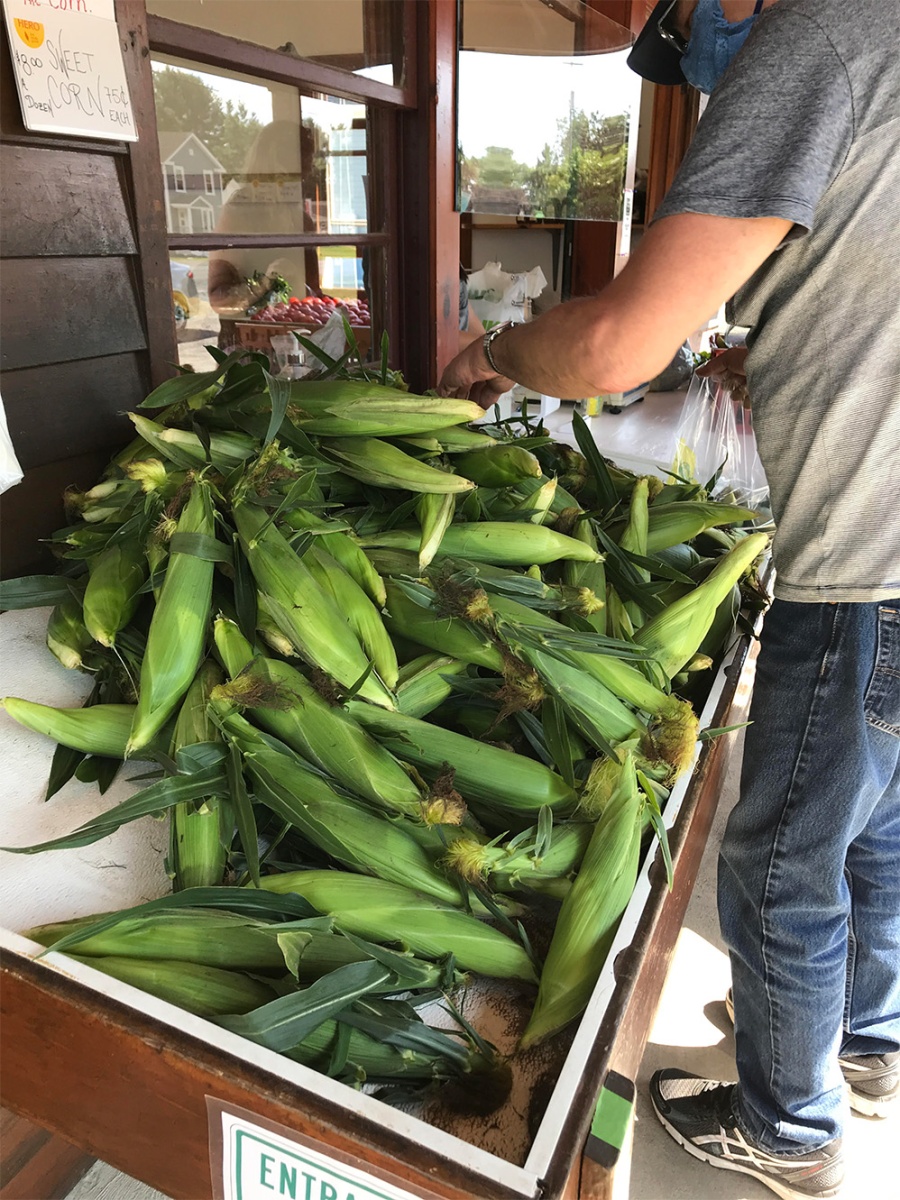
(312, 310)
(408, 690)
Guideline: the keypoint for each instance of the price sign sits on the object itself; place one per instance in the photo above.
(68, 65)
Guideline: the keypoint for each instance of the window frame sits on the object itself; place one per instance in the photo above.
(209, 182)
(179, 180)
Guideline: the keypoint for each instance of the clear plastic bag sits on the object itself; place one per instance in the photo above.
(715, 442)
(10, 471)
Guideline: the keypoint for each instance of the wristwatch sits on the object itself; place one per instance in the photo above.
(492, 333)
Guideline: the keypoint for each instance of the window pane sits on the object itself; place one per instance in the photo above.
(244, 156)
(362, 36)
(233, 298)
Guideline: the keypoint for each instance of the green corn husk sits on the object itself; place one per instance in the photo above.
(311, 953)
(285, 704)
(456, 439)
(113, 590)
(67, 637)
(501, 465)
(343, 549)
(674, 636)
(634, 539)
(332, 821)
(387, 913)
(204, 991)
(196, 854)
(423, 684)
(590, 575)
(228, 448)
(517, 865)
(178, 629)
(300, 608)
(434, 514)
(269, 631)
(670, 524)
(590, 913)
(99, 729)
(500, 785)
(361, 614)
(446, 635)
(500, 543)
(206, 937)
(374, 461)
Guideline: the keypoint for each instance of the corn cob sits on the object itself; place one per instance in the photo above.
(177, 634)
(204, 991)
(434, 514)
(423, 685)
(113, 590)
(299, 607)
(512, 866)
(332, 821)
(207, 937)
(457, 438)
(98, 729)
(344, 549)
(500, 783)
(634, 539)
(447, 635)
(590, 575)
(269, 631)
(674, 636)
(197, 855)
(501, 543)
(388, 913)
(541, 503)
(227, 449)
(67, 637)
(502, 465)
(367, 419)
(361, 614)
(670, 524)
(590, 913)
(324, 735)
(371, 460)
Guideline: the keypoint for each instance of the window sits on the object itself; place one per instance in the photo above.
(209, 182)
(178, 173)
(206, 220)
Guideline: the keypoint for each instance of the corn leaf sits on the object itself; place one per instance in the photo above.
(588, 447)
(35, 591)
(155, 799)
(100, 770)
(707, 735)
(200, 545)
(384, 358)
(659, 827)
(184, 387)
(243, 811)
(285, 1022)
(557, 739)
(62, 768)
(280, 395)
(402, 1032)
(245, 594)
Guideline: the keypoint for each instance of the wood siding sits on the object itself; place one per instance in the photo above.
(74, 308)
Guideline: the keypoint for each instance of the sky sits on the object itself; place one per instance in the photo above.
(516, 100)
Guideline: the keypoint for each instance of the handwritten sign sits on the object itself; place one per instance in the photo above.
(68, 66)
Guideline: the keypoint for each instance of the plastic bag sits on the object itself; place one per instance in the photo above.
(495, 295)
(715, 441)
(10, 471)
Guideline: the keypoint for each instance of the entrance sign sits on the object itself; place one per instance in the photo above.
(259, 1163)
(67, 60)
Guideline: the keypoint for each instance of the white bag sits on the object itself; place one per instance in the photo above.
(10, 471)
(497, 296)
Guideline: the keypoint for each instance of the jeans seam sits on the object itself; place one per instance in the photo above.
(850, 983)
(770, 873)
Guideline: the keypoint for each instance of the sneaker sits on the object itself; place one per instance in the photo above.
(873, 1080)
(699, 1114)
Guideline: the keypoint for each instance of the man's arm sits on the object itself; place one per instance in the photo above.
(686, 266)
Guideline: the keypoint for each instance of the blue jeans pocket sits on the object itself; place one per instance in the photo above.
(882, 703)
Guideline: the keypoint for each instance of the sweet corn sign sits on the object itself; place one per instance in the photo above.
(259, 1164)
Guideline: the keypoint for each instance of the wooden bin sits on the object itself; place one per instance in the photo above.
(138, 1083)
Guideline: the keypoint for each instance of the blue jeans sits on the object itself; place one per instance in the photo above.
(809, 872)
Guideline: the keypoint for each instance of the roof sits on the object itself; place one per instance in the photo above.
(170, 142)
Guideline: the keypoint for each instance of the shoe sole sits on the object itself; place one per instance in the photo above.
(859, 1103)
(780, 1189)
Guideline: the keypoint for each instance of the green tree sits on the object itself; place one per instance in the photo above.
(186, 104)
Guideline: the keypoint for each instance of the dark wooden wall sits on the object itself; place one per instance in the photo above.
(85, 301)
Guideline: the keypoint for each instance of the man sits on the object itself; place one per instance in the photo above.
(788, 201)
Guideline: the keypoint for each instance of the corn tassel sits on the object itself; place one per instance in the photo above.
(513, 866)
(389, 913)
(590, 913)
(590, 575)
(178, 629)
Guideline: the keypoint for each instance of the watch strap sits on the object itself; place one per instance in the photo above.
(489, 338)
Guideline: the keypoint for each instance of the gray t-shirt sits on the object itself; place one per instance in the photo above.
(805, 125)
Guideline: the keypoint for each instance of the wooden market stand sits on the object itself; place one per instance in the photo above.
(87, 331)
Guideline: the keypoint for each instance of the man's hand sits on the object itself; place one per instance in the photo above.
(728, 366)
(471, 375)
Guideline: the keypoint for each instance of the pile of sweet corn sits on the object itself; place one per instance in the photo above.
(404, 681)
